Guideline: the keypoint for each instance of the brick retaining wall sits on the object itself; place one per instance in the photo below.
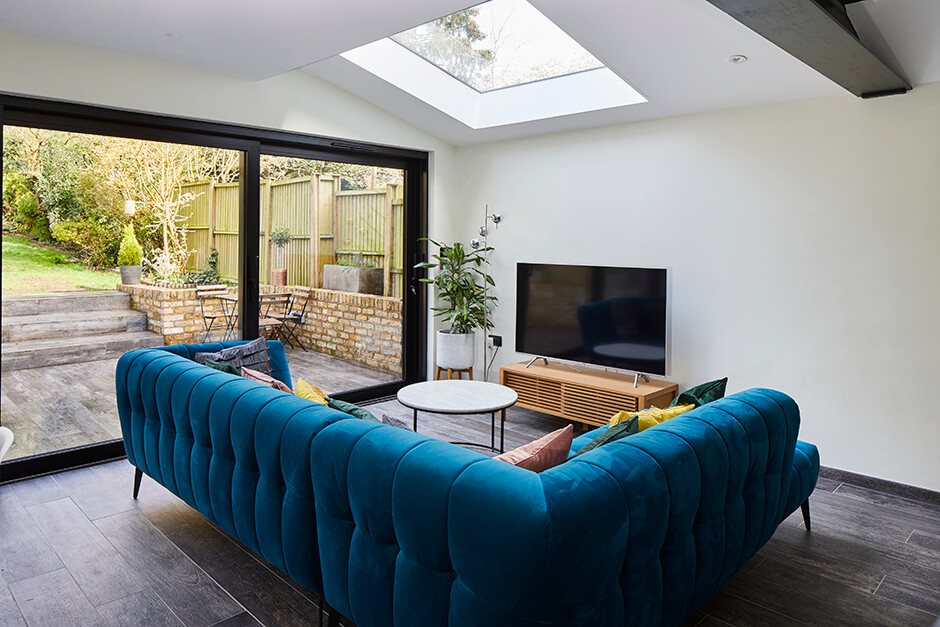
(359, 327)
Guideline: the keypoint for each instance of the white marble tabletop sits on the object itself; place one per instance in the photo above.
(457, 396)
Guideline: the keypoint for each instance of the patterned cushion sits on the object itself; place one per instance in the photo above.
(252, 354)
(397, 422)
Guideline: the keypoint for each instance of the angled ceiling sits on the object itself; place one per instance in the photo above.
(674, 52)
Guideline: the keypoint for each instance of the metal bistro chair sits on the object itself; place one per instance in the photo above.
(296, 310)
(209, 315)
(272, 308)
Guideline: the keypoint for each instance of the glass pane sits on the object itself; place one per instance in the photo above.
(331, 239)
(501, 43)
(76, 203)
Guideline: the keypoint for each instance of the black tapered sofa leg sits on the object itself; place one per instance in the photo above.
(805, 508)
(332, 616)
(138, 474)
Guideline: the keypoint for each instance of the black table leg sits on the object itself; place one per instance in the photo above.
(502, 427)
(493, 430)
(415, 426)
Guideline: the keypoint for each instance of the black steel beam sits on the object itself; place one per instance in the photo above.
(820, 37)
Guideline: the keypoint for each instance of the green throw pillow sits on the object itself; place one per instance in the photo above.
(353, 410)
(702, 394)
(611, 434)
(229, 368)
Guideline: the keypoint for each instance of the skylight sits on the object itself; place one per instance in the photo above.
(501, 62)
(501, 43)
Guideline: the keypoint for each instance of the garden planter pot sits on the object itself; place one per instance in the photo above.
(130, 275)
(353, 279)
(279, 276)
(455, 351)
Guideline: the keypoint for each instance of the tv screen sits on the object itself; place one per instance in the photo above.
(598, 315)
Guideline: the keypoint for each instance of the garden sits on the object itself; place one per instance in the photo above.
(76, 207)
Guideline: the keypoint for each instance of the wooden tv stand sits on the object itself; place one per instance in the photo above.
(590, 397)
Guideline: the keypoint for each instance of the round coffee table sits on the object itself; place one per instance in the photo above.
(458, 396)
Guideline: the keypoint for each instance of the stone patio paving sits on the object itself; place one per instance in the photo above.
(61, 407)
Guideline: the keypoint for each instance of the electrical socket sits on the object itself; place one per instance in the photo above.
(494, 341)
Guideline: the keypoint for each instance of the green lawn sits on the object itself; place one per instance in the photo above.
(32, 269)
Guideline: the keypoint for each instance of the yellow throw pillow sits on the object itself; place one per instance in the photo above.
(310, 392)
(652, 416)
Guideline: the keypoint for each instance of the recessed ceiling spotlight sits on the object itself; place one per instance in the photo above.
(737, 58)
(174, 35)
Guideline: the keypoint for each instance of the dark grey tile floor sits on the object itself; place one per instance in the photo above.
(76, 549)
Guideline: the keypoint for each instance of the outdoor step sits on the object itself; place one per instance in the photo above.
(70, 350)
(61, 302)
(59, 325)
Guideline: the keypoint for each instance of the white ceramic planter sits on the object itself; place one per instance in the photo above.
(455, 351)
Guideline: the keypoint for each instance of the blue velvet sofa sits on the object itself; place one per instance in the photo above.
(395, 528)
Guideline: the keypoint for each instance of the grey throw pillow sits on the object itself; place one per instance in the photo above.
(253, 354)
(397, 422)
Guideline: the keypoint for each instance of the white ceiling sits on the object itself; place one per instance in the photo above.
(674, 52)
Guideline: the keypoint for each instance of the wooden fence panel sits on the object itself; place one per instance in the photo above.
(326, 226)
(226, 229)
(325, 198)
(397, 243)
(198, 239)
(360, 226)
(291, 208)
(264, 245)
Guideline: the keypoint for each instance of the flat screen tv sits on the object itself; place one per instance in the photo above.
(606, 316)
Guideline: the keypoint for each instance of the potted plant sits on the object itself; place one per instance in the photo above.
(129, 255)
(280, 237)
(460, 281)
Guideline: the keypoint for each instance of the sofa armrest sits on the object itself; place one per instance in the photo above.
(279, 368)
(235, 450)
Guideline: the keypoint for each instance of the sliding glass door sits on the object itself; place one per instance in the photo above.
(240, 232)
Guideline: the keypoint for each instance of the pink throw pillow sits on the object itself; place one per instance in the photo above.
(266, 379)
(542, 454)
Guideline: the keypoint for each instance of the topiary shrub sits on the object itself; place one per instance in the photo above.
(130, 252)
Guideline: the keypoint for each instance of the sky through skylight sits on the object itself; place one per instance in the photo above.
(498, 44)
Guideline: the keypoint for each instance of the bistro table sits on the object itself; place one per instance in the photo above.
(229, 304)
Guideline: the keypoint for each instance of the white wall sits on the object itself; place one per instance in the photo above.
(802, 240)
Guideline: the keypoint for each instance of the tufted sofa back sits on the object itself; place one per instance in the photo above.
(235, 450)
(642, 531)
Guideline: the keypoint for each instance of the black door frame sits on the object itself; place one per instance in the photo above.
(18, 110)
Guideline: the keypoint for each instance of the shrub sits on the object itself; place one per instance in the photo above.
(94, 239)
(130, 252)
(22, 205)
(209, 274)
